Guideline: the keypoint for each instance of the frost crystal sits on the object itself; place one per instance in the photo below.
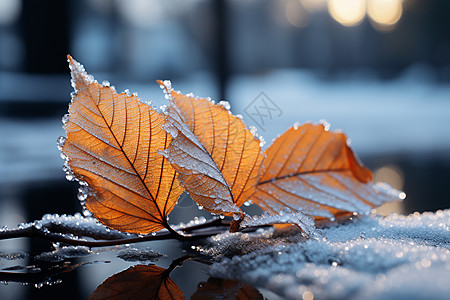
(134, 254)
(225, 104)
(396, 257)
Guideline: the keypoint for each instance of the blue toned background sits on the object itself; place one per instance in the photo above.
(377, 69)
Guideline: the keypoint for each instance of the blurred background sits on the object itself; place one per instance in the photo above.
(377, 69)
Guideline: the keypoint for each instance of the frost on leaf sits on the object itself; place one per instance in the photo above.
(313, 170)
(112, 145)
(285, 216)
(215, 154)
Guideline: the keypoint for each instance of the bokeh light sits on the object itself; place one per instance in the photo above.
(393, 175)
(313, 5)
(296, 14)
(384, 13)
(347, 12)
(9, 11)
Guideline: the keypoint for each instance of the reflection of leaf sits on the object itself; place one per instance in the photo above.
(224, 289)
(312, 170)
(139, 282)
(217, 157)
(112, 143)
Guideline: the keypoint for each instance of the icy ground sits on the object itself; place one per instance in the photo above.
(396, 257)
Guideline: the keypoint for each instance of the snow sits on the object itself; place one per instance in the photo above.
(284, 216)
(396, 257)
(140, 255)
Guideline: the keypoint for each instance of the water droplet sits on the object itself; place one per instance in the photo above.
(168, 84)
(65, 119)
(325, 124)
(70, 176)
(60, 142)
(236, 217)
(83, 192)
(106, 83)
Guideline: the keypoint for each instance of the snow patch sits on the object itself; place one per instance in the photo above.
(396, 257)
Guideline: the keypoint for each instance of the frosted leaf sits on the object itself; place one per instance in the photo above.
(312, 170)
(205, 153)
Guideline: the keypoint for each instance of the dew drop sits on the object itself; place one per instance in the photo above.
(106, 83)
(60, 142)
(83, 193)
(65, 119)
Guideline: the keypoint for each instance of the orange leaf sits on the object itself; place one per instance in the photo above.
(216, 288)
(112, 143)
(312, 170)
(216, 155)
(139, 282)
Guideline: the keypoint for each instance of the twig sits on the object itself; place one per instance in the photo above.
(43, 233)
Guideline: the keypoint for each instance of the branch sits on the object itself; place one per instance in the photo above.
(197, 231)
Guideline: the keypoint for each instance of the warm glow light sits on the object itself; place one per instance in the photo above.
(392, 175)
(384, 12)
(313, 5)
(347, 12)
(296, 14)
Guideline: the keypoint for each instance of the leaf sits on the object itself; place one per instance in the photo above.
(216, 156)
(313, 170)
(224, 289)
(139, 282)
(112, 143)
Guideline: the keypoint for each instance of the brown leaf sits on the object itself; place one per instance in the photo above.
(313, 170)
(112, 143)
(139, 282)
(217, 157)
(224, 289)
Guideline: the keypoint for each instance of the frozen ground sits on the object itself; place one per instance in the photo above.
(396, 257)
